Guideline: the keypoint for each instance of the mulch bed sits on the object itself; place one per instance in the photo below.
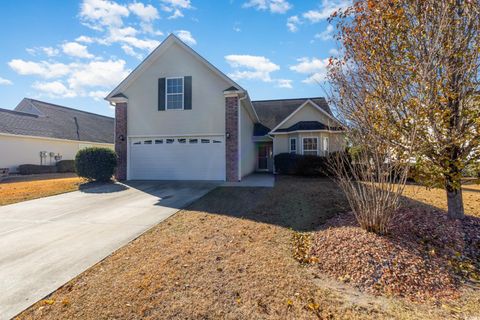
(425, 257)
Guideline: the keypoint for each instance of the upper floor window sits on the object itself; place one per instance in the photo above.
(293, 145)
(175, 93)
(310, 146)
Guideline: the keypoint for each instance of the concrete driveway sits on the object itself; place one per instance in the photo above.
(44, 243)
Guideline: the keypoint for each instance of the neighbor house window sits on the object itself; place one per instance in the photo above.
(293, 145)
(174, 93)
(310, 146)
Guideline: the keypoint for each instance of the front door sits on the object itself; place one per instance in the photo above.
(264, 156)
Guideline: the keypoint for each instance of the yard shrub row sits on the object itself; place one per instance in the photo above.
(61, 166)
(66, 166)
(36, 169)
(303, 165)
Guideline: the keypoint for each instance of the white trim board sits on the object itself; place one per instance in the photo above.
(176, 135)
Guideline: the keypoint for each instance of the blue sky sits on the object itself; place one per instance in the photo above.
(74, 52)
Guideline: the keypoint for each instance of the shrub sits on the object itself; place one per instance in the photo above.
(286, 163)
(96, 163)
(304, 165)
(66, 166)
(35, 169)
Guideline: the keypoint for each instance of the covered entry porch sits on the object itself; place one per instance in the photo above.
(264, 156)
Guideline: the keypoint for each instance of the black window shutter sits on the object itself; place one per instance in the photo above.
(161, 94)
(187, 103)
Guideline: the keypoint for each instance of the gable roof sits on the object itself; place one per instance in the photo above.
(272, 112)
(155, 54)
(42, 119)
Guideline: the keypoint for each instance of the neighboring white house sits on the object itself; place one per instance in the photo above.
(37, 132)
(177, 117)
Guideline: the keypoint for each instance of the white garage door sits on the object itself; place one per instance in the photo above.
(177, 158)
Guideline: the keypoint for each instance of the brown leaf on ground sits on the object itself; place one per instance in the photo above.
(421, 259)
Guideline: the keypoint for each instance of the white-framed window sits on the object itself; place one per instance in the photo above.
(310, 146)
(293, 145)
(175, 93)
(326, 147)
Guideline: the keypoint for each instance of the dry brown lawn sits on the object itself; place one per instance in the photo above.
(17, 191)
(438, 198)
(229, 256)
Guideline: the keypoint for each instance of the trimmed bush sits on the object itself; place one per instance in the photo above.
(36, 169)
(66, 166)
(304, 165)
(96, 163)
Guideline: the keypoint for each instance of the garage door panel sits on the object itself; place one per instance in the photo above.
(177, 161)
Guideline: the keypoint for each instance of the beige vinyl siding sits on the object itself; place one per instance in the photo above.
(208, 103)
(247, 146)
(307, 113)
(17, 150)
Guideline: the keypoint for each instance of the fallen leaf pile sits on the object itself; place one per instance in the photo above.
(425, 257)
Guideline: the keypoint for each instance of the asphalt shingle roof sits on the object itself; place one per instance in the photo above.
(37, 118)
(307, 125)
(272, 112)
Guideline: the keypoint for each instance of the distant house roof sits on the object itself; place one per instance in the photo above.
(272, 112)
(308, 125)
(37, 118)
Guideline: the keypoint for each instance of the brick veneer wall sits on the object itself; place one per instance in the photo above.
(231, 144)
(121, 144)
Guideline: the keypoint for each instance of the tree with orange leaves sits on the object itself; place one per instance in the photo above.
(414, 65)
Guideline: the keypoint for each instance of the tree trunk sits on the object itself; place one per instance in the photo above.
(454, 200)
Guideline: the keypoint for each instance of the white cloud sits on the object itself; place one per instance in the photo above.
(48, 51)
(104, 74)
(236, 27)
(325, 35)
(78, 76)
(75, 49)
(108, 16)
(314, 16)
(315, 68)
(85, 39)
(54, 89)
(186, 37)
(248, 67)
(326, 9)
(274, 6)
(98, 14)
(284, 83)
(175, 7)
(128, 36)
(5, 82)
(292, 23)
(251, 67)
(334, 52)
(43, 69)
(98, 95)
(146, 13)
(129, 50)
